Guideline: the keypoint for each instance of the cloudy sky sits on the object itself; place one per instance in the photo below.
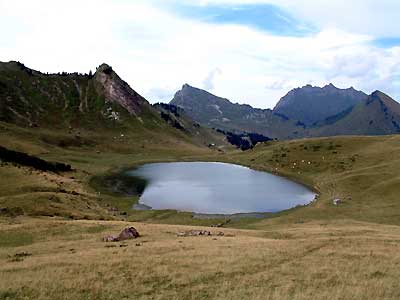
(251, 51)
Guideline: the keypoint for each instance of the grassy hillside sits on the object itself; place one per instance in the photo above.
(28, 191)
(361, 171)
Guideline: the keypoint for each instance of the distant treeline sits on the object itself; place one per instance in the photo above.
(169, 107)
(24, 159)
(166, 110)
(64, 74)
(244, 141)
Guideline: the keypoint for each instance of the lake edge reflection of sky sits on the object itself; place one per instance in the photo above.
(218, 188)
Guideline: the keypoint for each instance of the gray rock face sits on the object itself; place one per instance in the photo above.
(117, 90)
(314, 104)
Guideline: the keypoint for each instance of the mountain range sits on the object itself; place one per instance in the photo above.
(304, 112)
(103, 101)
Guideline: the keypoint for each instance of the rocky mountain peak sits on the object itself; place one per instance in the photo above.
(377, 94)
(104, 68)
(330, 87)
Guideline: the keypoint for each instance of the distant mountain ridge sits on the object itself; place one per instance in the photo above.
(212, 111)
(311, 104)
(378, 114)
(304, 112)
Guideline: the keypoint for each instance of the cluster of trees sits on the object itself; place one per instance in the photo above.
(174, 123)
(24, 159)
(64, 74)
(169, 107)
(244, 141)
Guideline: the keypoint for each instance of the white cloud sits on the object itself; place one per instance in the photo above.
(209, 81)
(156, 52)
(373, 17)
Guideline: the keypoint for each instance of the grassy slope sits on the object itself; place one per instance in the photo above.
(38, 193)
(361, 171)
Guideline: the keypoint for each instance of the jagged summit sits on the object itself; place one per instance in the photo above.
(378, 94)
(104, 67)
(329, 86)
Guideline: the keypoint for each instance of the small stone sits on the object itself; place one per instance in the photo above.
(337, 201)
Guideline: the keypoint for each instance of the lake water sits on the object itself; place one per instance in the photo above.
(217, 188)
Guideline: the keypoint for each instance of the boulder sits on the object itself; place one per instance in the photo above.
(128, 233)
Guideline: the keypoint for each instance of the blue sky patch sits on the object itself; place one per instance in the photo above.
(264, 17)
(387, 42)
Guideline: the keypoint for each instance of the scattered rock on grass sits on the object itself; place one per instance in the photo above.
(194, 233)
(199, 233)
(19, 256)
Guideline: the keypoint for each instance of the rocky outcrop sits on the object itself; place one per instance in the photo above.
(117, 90)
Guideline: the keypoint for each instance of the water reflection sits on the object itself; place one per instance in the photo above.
(218, 188)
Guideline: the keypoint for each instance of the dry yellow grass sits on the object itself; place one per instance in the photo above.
(341, 260)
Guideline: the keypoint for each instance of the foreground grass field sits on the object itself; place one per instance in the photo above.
(67, 260)
(320, 251)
